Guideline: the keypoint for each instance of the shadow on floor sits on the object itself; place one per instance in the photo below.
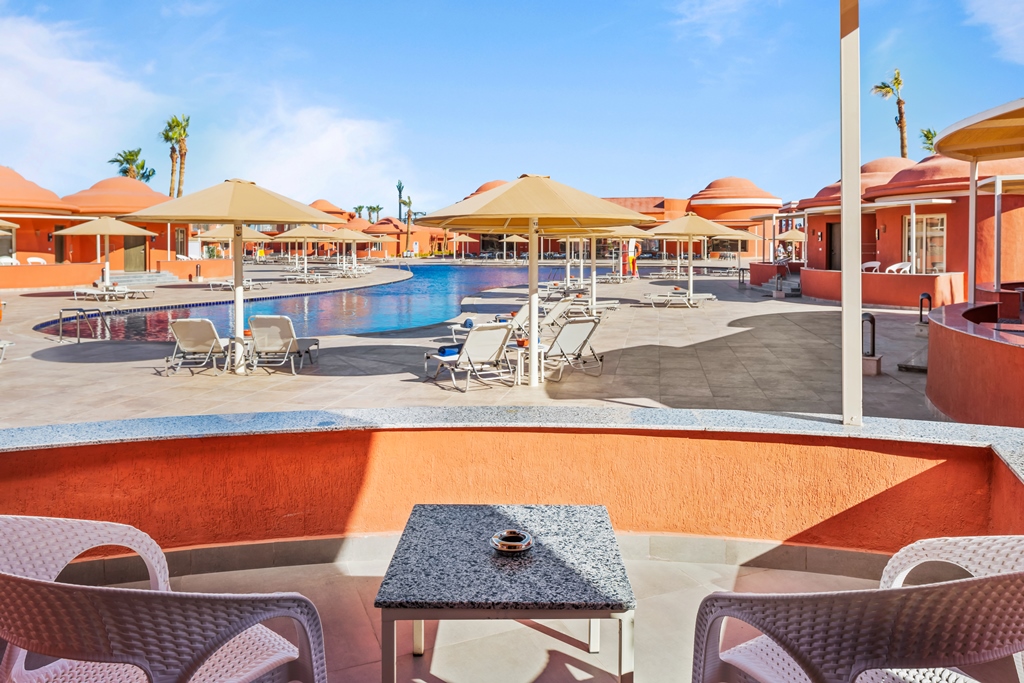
(104, 352)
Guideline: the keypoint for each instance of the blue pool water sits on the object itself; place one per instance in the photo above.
(432, 295)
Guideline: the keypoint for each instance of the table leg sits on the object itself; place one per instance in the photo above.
(625, 620)
(388, 654)
(417, 637)
(595, 635)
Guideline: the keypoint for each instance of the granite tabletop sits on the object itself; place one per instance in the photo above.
(444, 560)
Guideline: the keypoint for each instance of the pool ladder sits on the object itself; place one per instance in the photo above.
(78, 315)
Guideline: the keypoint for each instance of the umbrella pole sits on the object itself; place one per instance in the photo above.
(581, 261)
(106, 260)
(236, 250)
(305, 255)
(534, 306)
(689, 284)
(593, 276)
(568, 260)
(679, 257)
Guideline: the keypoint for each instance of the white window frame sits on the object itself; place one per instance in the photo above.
(923, 235)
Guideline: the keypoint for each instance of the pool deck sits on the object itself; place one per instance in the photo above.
(743, 352)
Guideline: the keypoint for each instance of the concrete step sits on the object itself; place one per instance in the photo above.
(138, 279)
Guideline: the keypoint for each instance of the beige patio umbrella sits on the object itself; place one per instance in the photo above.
(226, 233)
(305, 233)
(349, 236)
(236, 202)
(8, 225)
(4, 233)
(689, 227)
(793, 235)
(532, 205)
(463, 240)
(106, 227)
(514, 239)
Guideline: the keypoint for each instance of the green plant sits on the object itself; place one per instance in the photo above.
(131, 165)
(894, 88)
(928, 139)
(211, 251)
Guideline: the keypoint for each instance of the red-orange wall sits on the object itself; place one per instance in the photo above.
(211, 268)
(846, 493)
(59, 275)
(817, 239)
(887, 289)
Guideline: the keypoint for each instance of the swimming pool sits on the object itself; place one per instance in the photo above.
(432, 295)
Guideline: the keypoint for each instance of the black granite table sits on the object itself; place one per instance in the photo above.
(444, 568)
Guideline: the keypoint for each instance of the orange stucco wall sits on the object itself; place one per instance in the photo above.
(857, 494)
(211, 268)
(975, 379)
(817, 250)
(60, 275)
(762, 272)
(887, 289)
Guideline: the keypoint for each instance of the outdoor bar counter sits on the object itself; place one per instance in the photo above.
(802, 492)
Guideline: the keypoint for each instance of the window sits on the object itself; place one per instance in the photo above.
(925, 246)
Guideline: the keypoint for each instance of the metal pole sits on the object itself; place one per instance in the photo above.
(581, 261)
(913, 237)
(972, 226)
(850, 211)
(106, 259)
(534, 305)
(593, 275)
(689, 284)
(999, 234)
(774, 233)
(236, 249)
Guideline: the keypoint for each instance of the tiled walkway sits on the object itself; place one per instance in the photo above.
(744, 352)
(668, 595)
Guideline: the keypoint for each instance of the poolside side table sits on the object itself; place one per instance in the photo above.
(523, 360)
(444, 568)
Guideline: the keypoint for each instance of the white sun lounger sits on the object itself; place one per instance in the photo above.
(520, 320)
(3, 349)
(274, 343)
(113, 635)
(571, 347)
(247, 284)
(196, 344)
(680, 298)
(483, 356)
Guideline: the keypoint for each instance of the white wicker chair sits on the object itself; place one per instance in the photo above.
(888, 633)
(121, 635)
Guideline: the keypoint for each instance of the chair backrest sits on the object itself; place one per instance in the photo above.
(978, 555)
(573, 337)
(9, 261)
(273, 333)
(556, 312)
(870, 266)
(485, 342)
(196, 335)
(901, 267)
(522, 315)
(35, 261)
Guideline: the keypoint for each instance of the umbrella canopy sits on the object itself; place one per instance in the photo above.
(516, 239)
(466, 238)
(234, 201)
(382, 239)
(992, 134)
(690, 227)
(792, 236)
(8, 225)
(104, 226)
(4, 233)
(346, 235)
(305, 232)
(627, 232)
(226, 233)
(509, 208)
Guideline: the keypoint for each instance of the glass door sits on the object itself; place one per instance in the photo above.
(928, 250)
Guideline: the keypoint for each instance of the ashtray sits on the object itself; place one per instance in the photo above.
(511, 542)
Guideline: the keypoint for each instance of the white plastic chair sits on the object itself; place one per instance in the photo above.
(870, 266)
(922, 632)
(196, 344)
(483, 355)
(35, 261)
(901, 267)
(572, 347)
(9, 261)
(121, 635)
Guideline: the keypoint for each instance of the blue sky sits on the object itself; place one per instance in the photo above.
(341, 99)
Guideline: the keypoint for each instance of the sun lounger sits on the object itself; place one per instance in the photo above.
(571, 347)
(679, 298)
(140, 293)
(196, 343)
(482, 356)
(555, 315)
(3, 348)
(274, 343)
(105, 294)
(519, 320)
(247, 284)
(106, 635)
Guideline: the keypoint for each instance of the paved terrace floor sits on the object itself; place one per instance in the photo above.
(743, 352)
(668, 595)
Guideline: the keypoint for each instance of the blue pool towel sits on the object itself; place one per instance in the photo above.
(468, 323)
(452, 350)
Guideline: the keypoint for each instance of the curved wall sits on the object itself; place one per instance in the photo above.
(825, 490)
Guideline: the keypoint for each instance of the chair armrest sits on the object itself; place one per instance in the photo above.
(834, 637)
(40, 547)
(979, 555)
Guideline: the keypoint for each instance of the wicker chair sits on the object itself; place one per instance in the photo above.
(115, 634)
(894, 634)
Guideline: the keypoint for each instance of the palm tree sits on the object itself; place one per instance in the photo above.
(928, 139)
(359, 210)
(182, 150)
(400, 187)
(170, 135)
(887, 89)
(407, 203)
(131, 165)
(375, 209)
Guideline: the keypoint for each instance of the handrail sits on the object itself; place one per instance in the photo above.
(81, 314)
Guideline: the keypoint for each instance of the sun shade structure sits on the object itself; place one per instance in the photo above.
(226, 233)
(516, 239)
(690, 227)
(236, 202)
(106, 227)
(792, 236)
(532, 205)
(4, 233)
(305, 233)
(997, 133)
(8, 225)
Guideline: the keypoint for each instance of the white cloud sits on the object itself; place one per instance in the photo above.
(189, 9)
(65, 112)
(1006, 22)
(308, 152)
(714, 20)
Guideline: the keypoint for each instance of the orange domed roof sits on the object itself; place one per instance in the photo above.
(327, 207)
(359, 224)
(490, 185)
(941, 174)
(386, 226)
(740, 191)
(116, 196)
(872, 174)
(20, 194)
